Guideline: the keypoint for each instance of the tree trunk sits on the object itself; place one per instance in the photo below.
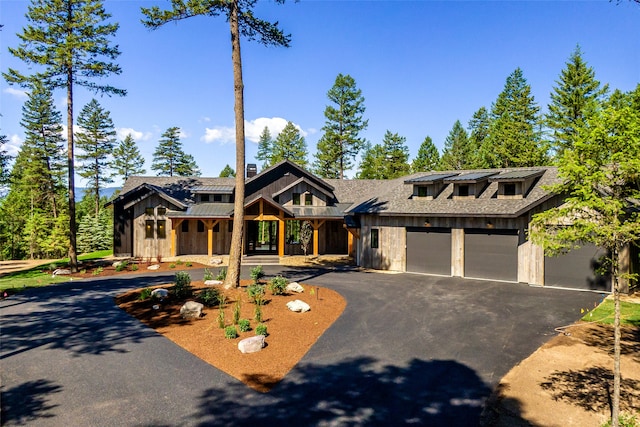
(73, 257)
(235, 253)
(615, 400)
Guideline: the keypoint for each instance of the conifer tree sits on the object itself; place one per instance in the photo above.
(68, 40)
(576, 96)
(227, 172)
(456, 149)
(289, 145)
(127, 160)
(169, 159)
(338, 147)
(428, 157)
(478, 139)
(371, 165)
(96, 138)
(242, 21)
(4, 161)
(387, 160)
(265, 148)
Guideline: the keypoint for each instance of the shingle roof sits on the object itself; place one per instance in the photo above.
(205, 210)
(214, 189)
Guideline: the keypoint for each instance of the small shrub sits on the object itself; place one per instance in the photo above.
(209, 297)
(53, 266)
(257, 313)
(182, 288)
(122, 266)
(278, 285)
(172, 265)
(222, 275)
(220, 318)
(180, 262)
(255, 292)
(145, 294)
(134, 267)
(625, 420)
(236, 312)
(257, 273)
(261, 329)
(230, 332)
(188, 264)
(97, 271)
(83, 271)
(208, 275)
(244, 325)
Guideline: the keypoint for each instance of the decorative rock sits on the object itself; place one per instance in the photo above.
(251, 344)
(215, 261)
(159, 293)
(153, 267)
(295, 287)
(116, 264)
(298, 305)
(61, 272)
(213, 282)
(191, 310)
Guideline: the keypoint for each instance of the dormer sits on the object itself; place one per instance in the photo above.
(303, 192)
(213, 193)
(469, 185)
(428, 187)
(516, 184)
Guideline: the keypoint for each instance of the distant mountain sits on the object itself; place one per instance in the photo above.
(105, 192)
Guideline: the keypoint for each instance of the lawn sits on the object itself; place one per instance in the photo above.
(604, 313)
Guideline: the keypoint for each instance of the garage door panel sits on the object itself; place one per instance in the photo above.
(491, 254)
(577, 269)
(429, 250)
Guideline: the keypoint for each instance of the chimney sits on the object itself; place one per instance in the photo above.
(252, 170)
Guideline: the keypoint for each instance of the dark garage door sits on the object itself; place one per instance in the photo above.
(429, 250)
(491, 254)
(576, 269)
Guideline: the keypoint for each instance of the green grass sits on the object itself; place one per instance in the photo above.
(40, 275)
(629, 313)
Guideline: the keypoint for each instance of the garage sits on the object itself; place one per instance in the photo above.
(577, 269)
(429, 250)
(491, 254)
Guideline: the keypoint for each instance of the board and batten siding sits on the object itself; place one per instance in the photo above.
(152, 247)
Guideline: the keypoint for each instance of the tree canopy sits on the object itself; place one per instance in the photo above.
(127, 160)
(387, 160)
(428, 157)
(456, 151)
(169, 159)
(289, 145)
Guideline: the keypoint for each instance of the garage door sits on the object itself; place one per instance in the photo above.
(577, 269)
(429, 250)
(491, 254)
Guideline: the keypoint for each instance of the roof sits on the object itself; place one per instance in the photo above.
(205, 210)
(517, 175)
(469, 178)
(429, 179)
(319, 211)
(213, 189)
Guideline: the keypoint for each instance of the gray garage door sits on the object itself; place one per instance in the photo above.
(429, 250)
(577, 269)
(491, 254)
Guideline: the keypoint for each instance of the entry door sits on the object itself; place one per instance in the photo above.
(429, 250)
(262, 237)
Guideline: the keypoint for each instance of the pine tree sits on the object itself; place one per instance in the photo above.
(514, 136)
(227, 172)
(265, 148)
(428, 157)
(127, 160)
(387, 161)
(340, 143)
(371, 165)
(96, 138)
(576, 96)
(169, 159)
(187, 166)
(69, 41)
(456, 152)
(479, 145)
(4, 161)
(289, 145)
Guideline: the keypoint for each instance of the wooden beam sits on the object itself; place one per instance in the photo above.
(350, 244)
(209, 223)
(316, 224)
(175, 223)
(281, 236)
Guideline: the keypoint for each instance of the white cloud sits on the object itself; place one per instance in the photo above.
(13, 146)
(135, 134)
(252, 130)
(18, 93)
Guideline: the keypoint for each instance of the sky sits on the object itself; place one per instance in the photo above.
(421, 65)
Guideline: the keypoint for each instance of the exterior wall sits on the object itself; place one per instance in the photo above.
(156, 246)
(332, 238)
(286, 198)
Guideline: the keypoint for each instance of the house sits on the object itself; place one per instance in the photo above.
(455, 223)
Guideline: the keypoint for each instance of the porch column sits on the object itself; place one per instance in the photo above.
(316, 224)
(210, 224)
(281, 232)
(349, 243)
(175, 223)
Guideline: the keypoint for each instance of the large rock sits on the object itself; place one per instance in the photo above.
(251, 344)
(191, 310)
(159, 293)
(213, 282)
(294, 287)
(61, 272)
(215, 261)
(153, 267)
(298, 305)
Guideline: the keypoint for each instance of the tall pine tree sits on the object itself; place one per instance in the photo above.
(227, 172)
(289, 145)
(338, 147)
(478, 139)
(169, 159)
(4, 161)
(96, 138)
(265, 148)
(127, 160)
(386, 161)
(428, 157)
(68, 40)
(456, 154)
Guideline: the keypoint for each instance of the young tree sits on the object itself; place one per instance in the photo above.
(265, 148)
(227, 172)
(127, 160)
(306, 235)
(576, 96)
(600, 175)
(514, 135)
(169, 159)
(69, 41)
(242, 21)
(428, 157)
(478, 139)
(456, 152)
(289, 145)
(96, 138)
(387, 161)
(340, 144)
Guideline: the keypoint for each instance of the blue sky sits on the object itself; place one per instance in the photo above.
(421, 65)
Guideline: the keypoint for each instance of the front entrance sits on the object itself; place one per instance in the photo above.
(262, 237)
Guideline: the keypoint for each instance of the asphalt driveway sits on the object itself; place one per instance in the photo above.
(408, 350)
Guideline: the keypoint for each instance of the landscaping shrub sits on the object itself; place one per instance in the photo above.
(208, 275)
(222, 275)
(257, 312)
(122, 266)
(134, 267)
(97, 271)
(145, 294)
(220, 318)
(188, 264)
(209, 297)
(255, 292)
(257, 273)
(182, 288)
(261, 329)
(230, 332)
(278, 285)
(244, 325)
(236, 312)
(172, 265)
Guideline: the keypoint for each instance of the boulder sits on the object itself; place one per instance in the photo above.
(213, 282)
(298, 305)
(294, 287)
(153, 267)
(159, 293)
(116, 264)
(251, 344)
(215, 261)
(191, 310)
(61, 272)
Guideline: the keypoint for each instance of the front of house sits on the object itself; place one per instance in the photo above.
(460, 223)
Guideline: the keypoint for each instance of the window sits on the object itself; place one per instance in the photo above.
(204, 197)
(296, 198)
(200, 227)
(463, 190)
(162, 229)
(308, 199)
(422, 191)
(510, 189)
(148, 229)
(374, 238)
(162, 211)
(149, 211)
(185, 226)
(217, 197)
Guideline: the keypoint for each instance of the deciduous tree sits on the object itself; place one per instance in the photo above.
(127, 160)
